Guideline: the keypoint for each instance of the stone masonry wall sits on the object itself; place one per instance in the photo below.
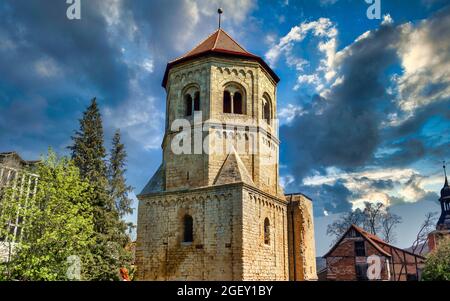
(263, 261)
(211, 76)
(302, 254)
(214, 254)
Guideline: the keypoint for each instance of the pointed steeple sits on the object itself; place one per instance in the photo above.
(445, 175)
(445, 191)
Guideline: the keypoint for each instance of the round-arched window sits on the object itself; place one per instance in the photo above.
(267, 109)
(191, 99)
(234, 99)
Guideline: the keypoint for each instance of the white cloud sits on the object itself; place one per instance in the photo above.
(287, 114)
(387, 19)
(424, 54)
(138, 118)
(326, 33)
(286, 180)
(47, 67)
(148, 65)
(406, 184)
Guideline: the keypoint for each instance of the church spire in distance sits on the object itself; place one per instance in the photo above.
(445, 174)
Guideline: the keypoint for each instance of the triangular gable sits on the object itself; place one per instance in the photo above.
(364, 235)
(233, 171)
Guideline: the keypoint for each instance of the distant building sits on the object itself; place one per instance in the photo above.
(17, 174)
(348, 259)
(443, 224)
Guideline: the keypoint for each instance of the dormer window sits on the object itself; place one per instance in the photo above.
(234, 100)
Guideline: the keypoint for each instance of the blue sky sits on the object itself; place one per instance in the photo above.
(363, 104)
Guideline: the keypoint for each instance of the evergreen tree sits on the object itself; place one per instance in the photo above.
(89, 155)
(117, 183)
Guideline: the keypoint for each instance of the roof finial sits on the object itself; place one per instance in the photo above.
(220, 12)
(445, 174)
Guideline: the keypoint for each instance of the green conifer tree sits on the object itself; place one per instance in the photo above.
(118, 187)
(89, 155)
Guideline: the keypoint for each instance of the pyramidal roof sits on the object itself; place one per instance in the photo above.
(219, 41)
(233, 171)
(222, 44)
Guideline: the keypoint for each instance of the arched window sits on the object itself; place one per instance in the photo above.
(234, 99)
(188, 229)
(267, 109)
(226, 102)
(267, 231)
(197, 101)
(237, 103)
(188, 104)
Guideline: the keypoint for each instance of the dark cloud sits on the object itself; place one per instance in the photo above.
(333, 198)
(47, 49)
(349, 127)
(345, 131)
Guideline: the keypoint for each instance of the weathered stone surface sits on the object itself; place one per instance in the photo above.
(302, 252)
(233, 171)
(239, 212)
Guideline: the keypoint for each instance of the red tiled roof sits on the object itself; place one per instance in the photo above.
(379, 241)
(218, 43)
(374, 240)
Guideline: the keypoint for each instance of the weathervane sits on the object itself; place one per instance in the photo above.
(220, 12)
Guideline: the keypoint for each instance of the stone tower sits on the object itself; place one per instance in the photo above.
(214, 209)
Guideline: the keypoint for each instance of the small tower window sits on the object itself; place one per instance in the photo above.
(188, 104)
(267, 231)
(234, 99)
(237, 103)
(197, 101)
(267, 109)
(226, 102)
(188, 229)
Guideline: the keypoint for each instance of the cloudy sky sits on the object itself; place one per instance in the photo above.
(364, 105)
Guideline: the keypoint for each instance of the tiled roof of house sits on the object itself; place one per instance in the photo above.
(374, 240)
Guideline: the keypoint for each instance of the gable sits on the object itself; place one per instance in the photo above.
(233, 171)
